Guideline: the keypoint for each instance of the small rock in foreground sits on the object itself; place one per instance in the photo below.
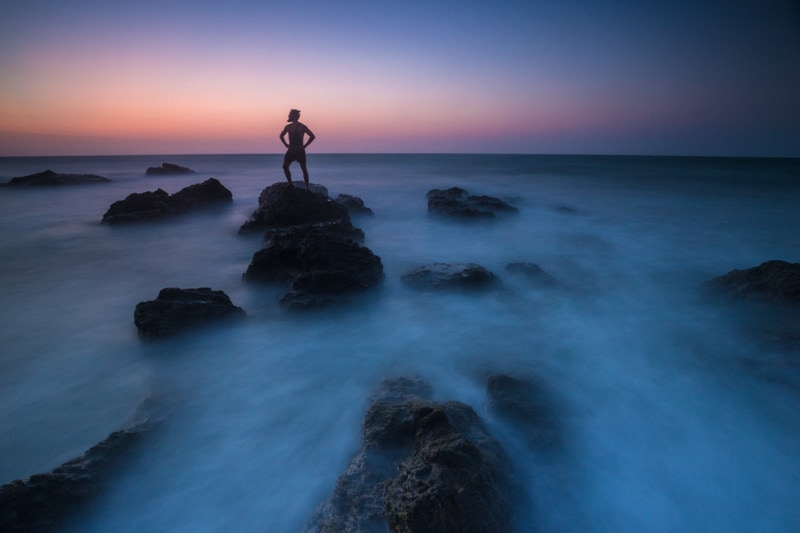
(772, 281)
(175, 310)
(455, 202)
(451, 276)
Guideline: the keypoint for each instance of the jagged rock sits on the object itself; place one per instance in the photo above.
(451, 276)
(175, 310)
(777, 281)
(320, 267)
(167, 169)
(423, 467)
(343, 229)
(153, 205)
(44, 502)
(524, 403)
(455, 202)
(355, 205)
(281, 205)
(48, 178)
(533, 273)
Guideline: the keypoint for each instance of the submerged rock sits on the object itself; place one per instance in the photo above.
(48, 178)
(533, 273)
(153, 205)
(355, 205)
(281, 205)
(175, 310)
(167, 169)
(424, 466)
(776, 281)
(455, 202)
(524, 404)
(451, 276)
(321, 267)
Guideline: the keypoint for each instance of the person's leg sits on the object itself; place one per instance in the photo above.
(286, 164)
(305, 173)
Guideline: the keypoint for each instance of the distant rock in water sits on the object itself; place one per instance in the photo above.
(455, 202)
(355, 205)
(423, 466)
(321, 267)
(451, 276)
(44, 502)
(153, 205)
(48, 178)
(525, 405)
(167, 169)
(176, 310)
(533, 273)
(776, 281)
(281, 205)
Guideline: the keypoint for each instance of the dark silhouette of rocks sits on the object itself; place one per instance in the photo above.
(526, 406)
(44, 502)
(176, 310)
(168, 169)
(154, 205)
(455, 202)
(281, 205)
(424, 466)
(48, 178)
(533, 273)
(355, 205)
(451, 276)
(320, 267)
(773, 281)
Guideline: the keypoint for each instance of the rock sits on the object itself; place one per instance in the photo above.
(342, 229)
(175, 310)
(424, 466)
(524, 404)
(451, 276)
(772, 281)
(168, 169)
(48, 178)
(44, 502)
(355, 205)
(281, 205)
(455, 202)
(533, 273)
(153, 205)
(321, 268)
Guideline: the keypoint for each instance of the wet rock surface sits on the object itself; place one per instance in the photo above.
(168, 169)
(154, 205)
(451, 276)
(424, 466)
(457, 203)
(525, 404)
(176, 310)
(281, 205)
(771, 281)
(355, 205)
(48, 178)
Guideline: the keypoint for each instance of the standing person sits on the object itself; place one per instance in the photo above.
(296, 148)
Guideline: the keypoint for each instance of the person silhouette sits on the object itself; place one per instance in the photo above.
(296, 147)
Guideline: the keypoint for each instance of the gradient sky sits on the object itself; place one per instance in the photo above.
(89, 77)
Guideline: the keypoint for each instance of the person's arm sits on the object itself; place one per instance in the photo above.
(282, 135)
(311, 137)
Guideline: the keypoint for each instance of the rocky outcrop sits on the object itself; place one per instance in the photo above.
(772, 281)
(451, 276)
(320, 267)
(48, 178)
(175, 310)
(533, 273)
(168, 169)
(455, 202)
(355, 205)
(281, 205)
(44, 502)
(526, 406)
(424, 466)
(154, 205)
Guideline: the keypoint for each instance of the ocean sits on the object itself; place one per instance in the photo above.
(677, 413)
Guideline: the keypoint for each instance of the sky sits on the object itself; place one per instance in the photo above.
(91, 77)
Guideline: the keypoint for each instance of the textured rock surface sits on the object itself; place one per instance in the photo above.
(48, 178)
(167, 169)
(777, 281)
(455, 202)
(176, 310)
(281, 205)
(355, 205)
(524, 404)
(451, 276)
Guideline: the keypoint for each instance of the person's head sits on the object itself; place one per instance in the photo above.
(294, 114)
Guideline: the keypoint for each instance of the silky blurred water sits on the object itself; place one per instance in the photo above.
(676, 417)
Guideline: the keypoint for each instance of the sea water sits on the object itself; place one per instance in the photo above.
(675, 415)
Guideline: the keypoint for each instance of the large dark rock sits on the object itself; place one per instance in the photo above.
(153, 205)
(168, 169)
(175, 310)
(355, 205)
(321, 267)
(455, 202)
(776, 281)
(281, 205)
(44, 502)
(526, 405)
(48, 178)
(424, 466)
(451, 276)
